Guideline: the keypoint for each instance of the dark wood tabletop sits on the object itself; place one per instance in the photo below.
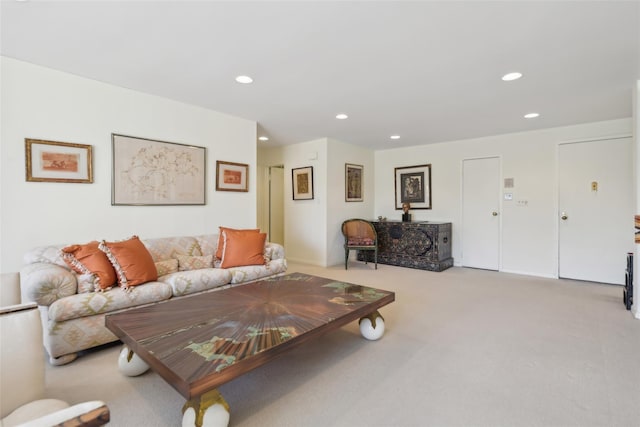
(199, 342)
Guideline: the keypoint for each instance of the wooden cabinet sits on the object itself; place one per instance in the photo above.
(424, 245)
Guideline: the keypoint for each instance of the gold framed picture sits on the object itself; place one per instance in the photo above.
(232, 176)
(353, 182)
(52, 161)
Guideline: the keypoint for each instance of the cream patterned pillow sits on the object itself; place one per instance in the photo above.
(167, 266)
(186, 262)
(87, 283)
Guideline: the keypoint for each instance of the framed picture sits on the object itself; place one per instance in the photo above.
(232, 176)
(302, 183)
(353, 183)
(150, 172)
(51, 161)
(413, 186)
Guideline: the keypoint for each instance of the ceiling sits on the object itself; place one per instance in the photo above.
(427, 71)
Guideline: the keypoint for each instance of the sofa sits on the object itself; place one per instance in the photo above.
(73, 306)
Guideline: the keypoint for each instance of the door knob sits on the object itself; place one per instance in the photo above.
(564, 216)
(494, 213)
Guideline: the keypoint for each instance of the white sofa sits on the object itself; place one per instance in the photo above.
(73, 319)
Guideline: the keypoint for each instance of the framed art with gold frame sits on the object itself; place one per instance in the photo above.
(52, 161)
(232, 176)
(302, 183)
(353, 182)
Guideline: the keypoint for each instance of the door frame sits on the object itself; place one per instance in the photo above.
(557, 188)
(500, 201)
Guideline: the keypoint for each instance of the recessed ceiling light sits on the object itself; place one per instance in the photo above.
(244, 79)
(263, 138)
(511, 76)
(531, 115)
(342, 116)
(395, 137)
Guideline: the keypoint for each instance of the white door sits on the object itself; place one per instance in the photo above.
(276, 204)
(595, 201)
(480, 213)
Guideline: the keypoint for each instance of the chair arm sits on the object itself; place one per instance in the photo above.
(89, 414)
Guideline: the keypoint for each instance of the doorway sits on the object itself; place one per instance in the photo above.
(595, 209)
(481, 213)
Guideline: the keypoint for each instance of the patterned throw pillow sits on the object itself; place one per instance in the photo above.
(186, 263)
(167, 266)
(89, 259)
(131, 260)
(87, 283)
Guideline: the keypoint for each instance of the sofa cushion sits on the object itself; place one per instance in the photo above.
(221, 237)
(89, 259)
(189, 282)
(81, 305)
(255, 272)
(186, 263)
(167, 266)
(164, 248)
(208, 243)
(131, 260)
(242, 248)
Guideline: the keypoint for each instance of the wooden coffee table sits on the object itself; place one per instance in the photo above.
(200, 342)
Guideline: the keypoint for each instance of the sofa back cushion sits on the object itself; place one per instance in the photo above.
(165, 248)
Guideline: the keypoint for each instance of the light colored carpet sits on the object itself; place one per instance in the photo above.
(462, 347)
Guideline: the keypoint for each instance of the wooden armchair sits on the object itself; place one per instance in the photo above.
(359, 235)
(22, 383)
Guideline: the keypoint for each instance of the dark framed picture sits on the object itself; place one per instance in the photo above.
(232, 176)
(353, 180)
(302, 183)
(52, 161)
(148, 172)
(413, 186)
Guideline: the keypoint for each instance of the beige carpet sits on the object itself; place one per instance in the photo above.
(463, 348)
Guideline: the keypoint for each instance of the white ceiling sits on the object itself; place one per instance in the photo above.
(428, 71)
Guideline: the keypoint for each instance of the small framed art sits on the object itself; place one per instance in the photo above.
(353, 179)
(51, 161)
(302, 183)
(413, 186)
(232, 176)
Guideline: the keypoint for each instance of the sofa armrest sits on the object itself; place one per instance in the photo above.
(45, 283)
(87, 414)
(277, 250)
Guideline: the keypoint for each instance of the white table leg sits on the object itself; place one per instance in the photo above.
(372, 326)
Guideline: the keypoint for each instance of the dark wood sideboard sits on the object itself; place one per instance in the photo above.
(417, 244)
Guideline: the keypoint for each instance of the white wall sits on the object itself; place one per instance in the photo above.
(305, 221)
(338, 209)
(529, 234)
(45, 104)
(636, 135)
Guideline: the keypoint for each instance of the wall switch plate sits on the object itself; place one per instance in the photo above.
(508, 196)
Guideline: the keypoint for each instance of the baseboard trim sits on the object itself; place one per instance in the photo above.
(526, 273)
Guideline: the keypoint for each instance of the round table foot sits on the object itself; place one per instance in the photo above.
(130, 363)
(208, 410)
(372, 326)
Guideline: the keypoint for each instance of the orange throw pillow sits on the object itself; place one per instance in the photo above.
(221, 238)
(242, 248)
(89, 259)
(131, 260)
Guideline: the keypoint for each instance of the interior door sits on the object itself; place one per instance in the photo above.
(595, 200)
(480, 213)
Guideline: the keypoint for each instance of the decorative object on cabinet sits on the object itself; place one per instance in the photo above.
(51, 161)
(359, 235)
(353, 181)
(232, 176)
(419, 244)
(151, 172)
(302, 183)
(406, 216)
(413, 185)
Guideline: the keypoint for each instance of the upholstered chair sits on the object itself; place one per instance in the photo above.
(22, 377)
(360, 235)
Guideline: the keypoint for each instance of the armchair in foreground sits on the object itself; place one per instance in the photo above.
(22, 379)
